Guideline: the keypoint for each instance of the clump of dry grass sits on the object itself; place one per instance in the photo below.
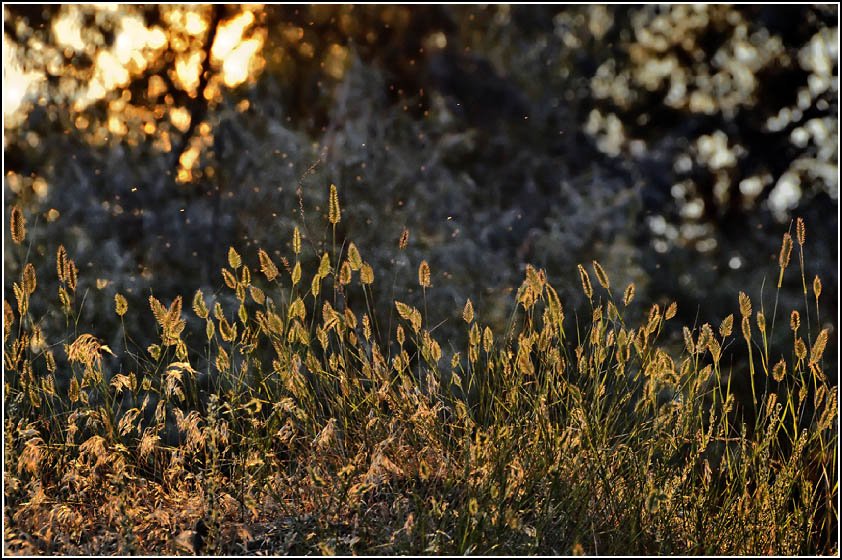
(292, 424)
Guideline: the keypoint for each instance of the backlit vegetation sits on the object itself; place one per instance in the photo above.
(296, 421)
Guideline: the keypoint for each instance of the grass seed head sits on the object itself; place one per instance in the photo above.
(296, 241)
(120, 305)
(354, 257)
(600, 275)
(28, 280)
(586, 282)
(61, 263)
(779, 371)
(818, 347)
(366, 274)
(628, 296)
(745, 305)
(334, 214)
(726, 326)
(17, 225)
(424, 274)
(786, 249)
(234, 259)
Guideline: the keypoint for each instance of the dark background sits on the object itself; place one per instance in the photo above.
(675, 145)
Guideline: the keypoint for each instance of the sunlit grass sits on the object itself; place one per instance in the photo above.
(290, 423)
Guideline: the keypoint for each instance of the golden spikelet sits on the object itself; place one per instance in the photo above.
(174, 311)
(366, 327)
(350, 318)
(234, 260)
(745, 305)
(8, 319)
(404, 240)
(17, 225)
(705, 334)
(315, 285)
(28, 280)
(227, 330)
(51, 361)
(800, 231)
(654, 318)
(366, 274)
(800, 349)
(794, 321)
(474, 335)
(296, 273)
(334, 214)
(354, 257)
(818, 347)
(726, 326)
(746, 324)
(817, 287)
(22, 298)
(229, 278)
(487, 339)
(779, 371)
(199, 307)
(61, 263)
(345, 273)
(688, 341)
(761, 321)
(601, 277)
(715, 349)
(468, 312)
(70, 274)
(586, 282)
(324, 265)
(65, 300)
(257, 295)
(296, 241)
(158, 310)
(671, 311)
(424, 274)
(296, 310)
(415, 320)
(120, 304)
(786, 249)
(404, 310)
(628, 296)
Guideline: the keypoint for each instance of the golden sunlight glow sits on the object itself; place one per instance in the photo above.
(194, 24)
(229, 35)
(189, 157)
(335, 61)
(68, 29)
(16, 81)
(135, 47)
(133, 38)
(235, 69)
(188, 69)
(180, 118)
(117, 126)
(237, 55)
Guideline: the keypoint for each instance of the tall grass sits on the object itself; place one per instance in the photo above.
(292, 424)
